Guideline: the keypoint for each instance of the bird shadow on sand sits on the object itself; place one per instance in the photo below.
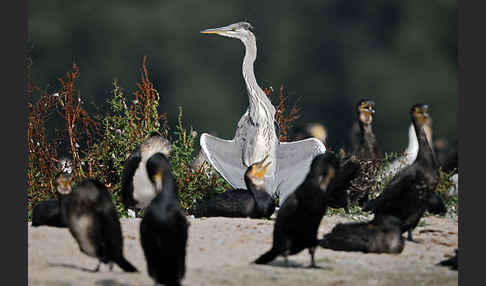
(293, 264)
(65, 265)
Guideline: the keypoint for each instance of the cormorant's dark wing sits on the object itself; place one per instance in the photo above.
(293, 164)
(284, 215)
(48, 213)
(226, 157)
(401, 182)
(129, 168)
(107, 231)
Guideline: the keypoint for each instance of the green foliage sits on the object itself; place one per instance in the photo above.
(121, 135)
(123, 128)
(445, 183)
(193, 185)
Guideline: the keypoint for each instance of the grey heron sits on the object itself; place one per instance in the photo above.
(256, 134)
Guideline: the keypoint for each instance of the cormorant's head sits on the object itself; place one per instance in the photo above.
(240, 30)
(63, 183)
(366, 109)
(156, 165)
(324, 167)
(256, 172)
(420, 115)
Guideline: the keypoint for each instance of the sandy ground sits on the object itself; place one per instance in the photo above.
(220, 250)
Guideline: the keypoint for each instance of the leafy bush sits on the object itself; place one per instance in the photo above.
(193, 185)
(102, 157)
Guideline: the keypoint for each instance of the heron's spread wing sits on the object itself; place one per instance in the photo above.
(226, 157)
(293, 164)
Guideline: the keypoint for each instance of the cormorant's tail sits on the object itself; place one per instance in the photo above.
(125, 265)
(267, 257)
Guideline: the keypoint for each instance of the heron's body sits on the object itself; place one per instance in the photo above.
(256, 136)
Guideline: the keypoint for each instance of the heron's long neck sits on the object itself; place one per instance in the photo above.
(257, 97)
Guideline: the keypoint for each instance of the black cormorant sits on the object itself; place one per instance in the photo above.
(381, 235)
(137, 190)
(93, 222)
(367, 153)
(408, 193)
(300, 215)
(163, 230)
(52, 212)
(337, 195)
(48, 213)
(254, 202)
(451, 262)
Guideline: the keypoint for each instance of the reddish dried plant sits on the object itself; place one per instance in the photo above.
(144, 110)
(284, 121)
(41, 156)
(71, 110)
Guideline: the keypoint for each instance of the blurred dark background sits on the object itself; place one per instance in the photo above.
(328, 53)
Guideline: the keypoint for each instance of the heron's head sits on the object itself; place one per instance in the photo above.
(366, 109)
(240, 30)
(63, 183)
(257, 171)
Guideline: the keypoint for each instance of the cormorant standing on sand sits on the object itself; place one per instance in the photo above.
(300, 215)
(408, 193)
(48, 212)
(381, 235)
(163, 230)
(137, 190)
(254, 202)
(366, 152)
(93, 222)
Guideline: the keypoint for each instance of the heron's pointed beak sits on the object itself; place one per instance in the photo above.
(218, 31)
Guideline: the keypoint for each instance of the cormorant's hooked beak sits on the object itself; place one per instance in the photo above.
(220, 31)
(261, 173)
(158, 179)
(64, 185)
